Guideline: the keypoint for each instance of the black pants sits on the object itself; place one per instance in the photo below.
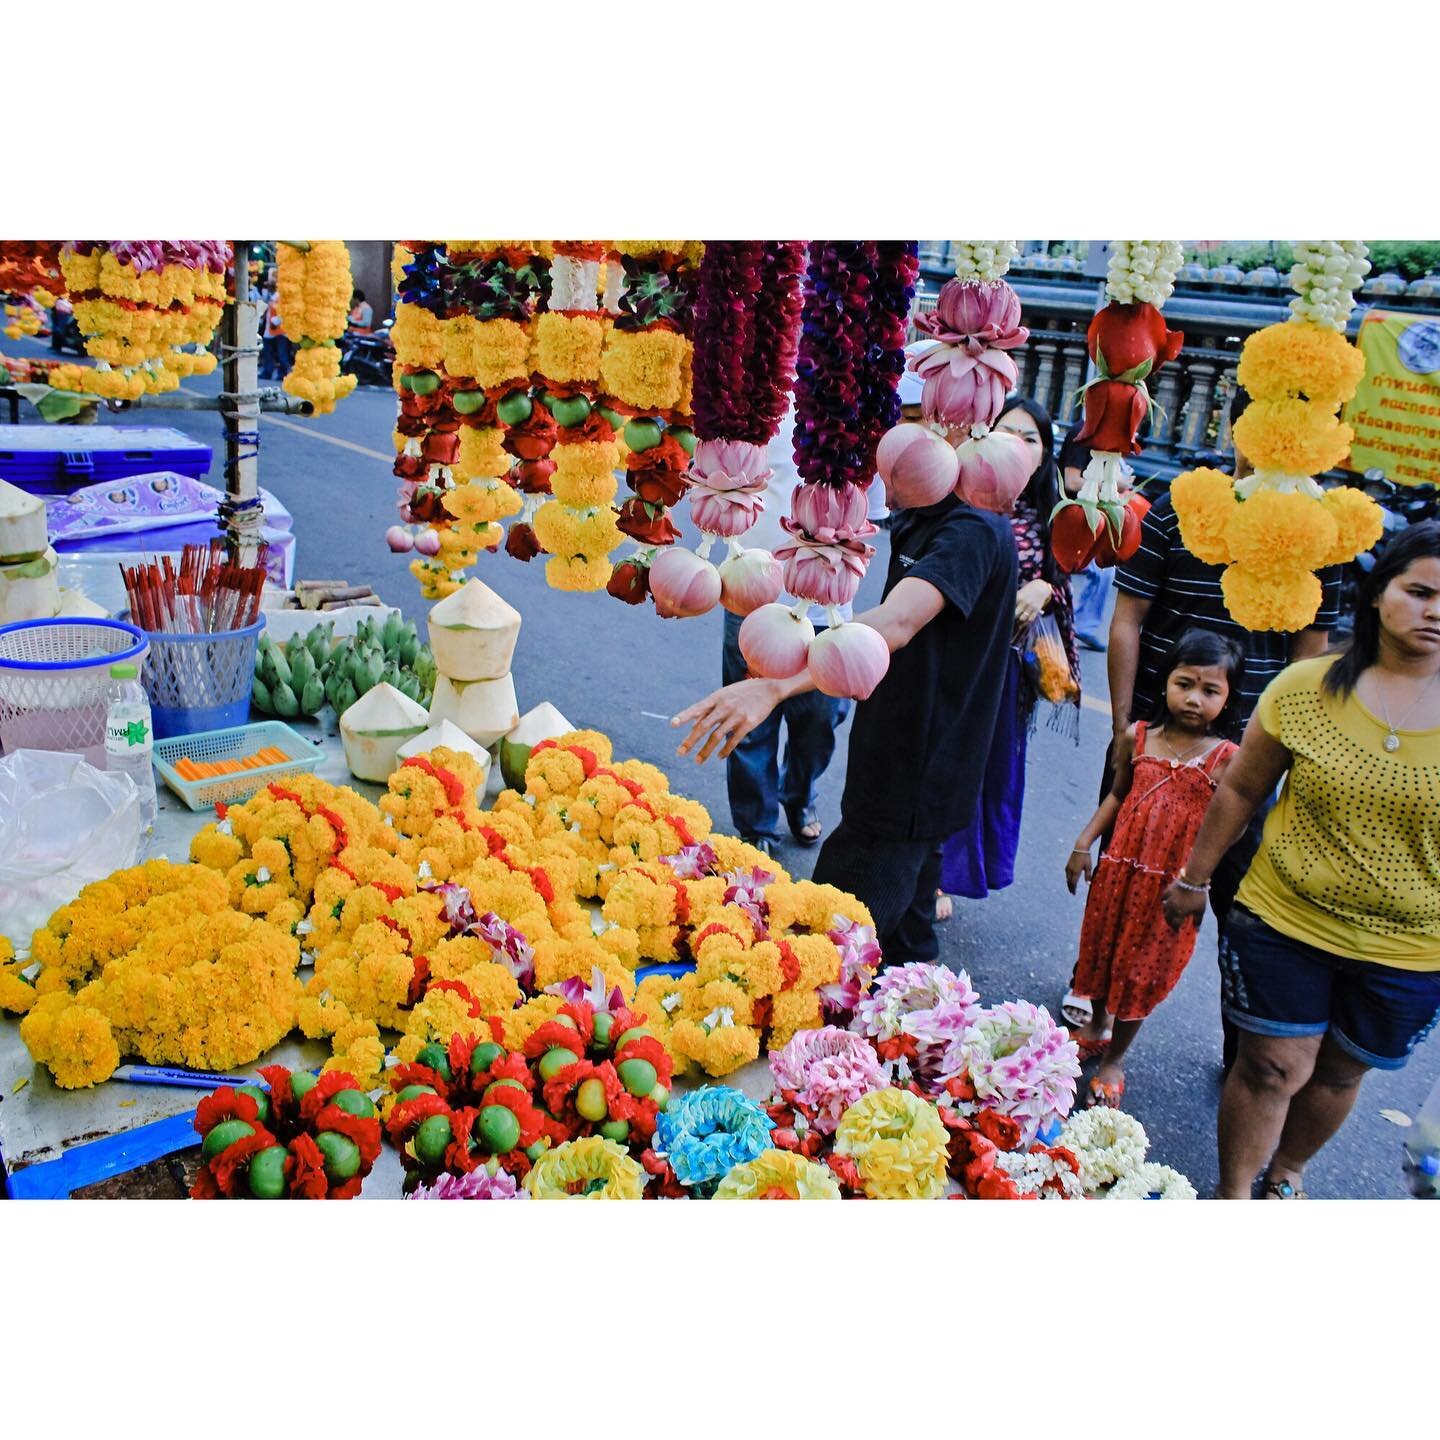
(895, 879)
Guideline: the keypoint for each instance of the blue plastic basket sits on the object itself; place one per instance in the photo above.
(200, 682)
(232, 744)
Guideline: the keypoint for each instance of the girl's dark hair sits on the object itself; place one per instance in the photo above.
(1203, 648)
(1043, 491)
(1415, 542)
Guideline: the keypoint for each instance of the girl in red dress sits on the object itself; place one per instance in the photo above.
(1166, 770)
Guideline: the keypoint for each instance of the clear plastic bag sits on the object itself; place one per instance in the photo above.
(63, 823)
(1054, 678)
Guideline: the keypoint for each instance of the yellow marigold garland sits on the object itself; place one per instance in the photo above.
(1276, 526)
(313, 290)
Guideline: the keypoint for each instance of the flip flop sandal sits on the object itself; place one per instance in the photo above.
(1104, 1095)
(1076, 1011)
(1282, 1190)
(1091, 1049)
(799, 820)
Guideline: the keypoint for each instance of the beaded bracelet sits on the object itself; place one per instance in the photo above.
(1185, 884)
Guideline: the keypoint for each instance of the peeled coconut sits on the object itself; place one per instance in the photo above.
(30, 590)
(452, 737)
(375, 727)
(24, 534)
(544, 722)
(75, 606)
(484, 709)
(473, 633)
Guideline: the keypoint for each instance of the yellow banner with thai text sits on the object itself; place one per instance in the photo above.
(1396, 412)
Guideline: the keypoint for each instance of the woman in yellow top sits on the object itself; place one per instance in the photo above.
(1336, 928)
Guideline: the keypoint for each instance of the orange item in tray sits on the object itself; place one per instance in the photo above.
(188, 769)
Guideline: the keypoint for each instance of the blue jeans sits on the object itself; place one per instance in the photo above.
(1092, 588)
(759, 786)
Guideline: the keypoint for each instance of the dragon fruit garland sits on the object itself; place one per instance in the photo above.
(1127, 341)
(857, 298)
(746, 325)
(1275, 527)
(967, 374)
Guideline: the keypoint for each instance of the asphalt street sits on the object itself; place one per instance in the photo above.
(626, 671)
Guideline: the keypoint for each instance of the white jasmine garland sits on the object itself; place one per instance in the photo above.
(1030, 1172)
(982, 260)
(1325, 277)
(1152, 1179)
(1109, 1144)
(1143, 271)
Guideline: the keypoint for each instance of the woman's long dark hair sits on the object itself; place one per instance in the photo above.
(1043, 491)
(1204, 648)
(1415, 542)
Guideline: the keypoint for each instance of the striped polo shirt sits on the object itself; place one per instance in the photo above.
(1185, 592)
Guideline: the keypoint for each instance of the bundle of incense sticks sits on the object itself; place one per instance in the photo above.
(208, 594)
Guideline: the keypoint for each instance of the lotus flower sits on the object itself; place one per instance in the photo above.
(683, 584)
(728, 479)
(968, 375)
(995, 468)
(826, 574)
(829, 513)
(849, 661)
(775, 641)
(918, 466)
(750, 579)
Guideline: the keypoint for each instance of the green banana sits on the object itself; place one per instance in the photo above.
(286, 704)
(280, 665)
(345, 697)
(312, 697)
(260, 696)
(302, 668)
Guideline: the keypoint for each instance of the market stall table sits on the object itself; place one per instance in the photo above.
(55, 1142)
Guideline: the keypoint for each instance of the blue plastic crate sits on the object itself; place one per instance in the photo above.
(232, 744)
(54, 460)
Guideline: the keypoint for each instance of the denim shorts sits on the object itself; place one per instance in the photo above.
(1273, 985)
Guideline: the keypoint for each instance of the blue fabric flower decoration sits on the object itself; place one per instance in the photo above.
(705, 1133)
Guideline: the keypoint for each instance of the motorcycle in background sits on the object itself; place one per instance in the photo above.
(369, 358)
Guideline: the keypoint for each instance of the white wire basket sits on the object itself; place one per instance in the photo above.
(55, 682)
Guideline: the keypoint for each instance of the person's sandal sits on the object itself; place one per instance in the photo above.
(805, 825)
(1076, 1011)
(1091, 1049)
(1281, 1190)
(1103, 1095)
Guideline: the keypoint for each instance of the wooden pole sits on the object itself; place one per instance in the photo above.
(241, 513)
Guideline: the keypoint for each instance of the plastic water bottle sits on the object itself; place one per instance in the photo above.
(130, 737)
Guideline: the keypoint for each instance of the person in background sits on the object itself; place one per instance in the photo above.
(1166, 769)
(918, 744)
(1334, 959)
(1094, 586)
(276, 352)
(1162, 591)
(760, 784)
(362, 314)
(981, 857)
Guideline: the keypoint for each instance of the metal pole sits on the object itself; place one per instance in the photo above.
(241, 513)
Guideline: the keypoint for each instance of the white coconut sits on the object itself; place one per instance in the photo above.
(30, 590)
(375, 727)
(484, 709)
(473, 633)
(544, 722)
(451, 737)
(24, 534)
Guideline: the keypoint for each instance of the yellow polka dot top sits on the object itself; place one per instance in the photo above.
(1350, 860)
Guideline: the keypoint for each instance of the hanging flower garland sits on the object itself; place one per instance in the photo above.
(577, 527)
(746, 327)
(139, 303)
(646, 377)
(1275, 527)
(1128, 342)
(968, 373)
(851, 355)
(313, 287)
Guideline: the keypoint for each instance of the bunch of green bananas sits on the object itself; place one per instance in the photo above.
(300, 676)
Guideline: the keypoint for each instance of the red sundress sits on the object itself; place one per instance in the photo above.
(1129, 957)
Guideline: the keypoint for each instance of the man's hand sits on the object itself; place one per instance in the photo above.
(1180, 905)
(727, 716)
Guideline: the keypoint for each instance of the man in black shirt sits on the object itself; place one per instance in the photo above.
(918, 745)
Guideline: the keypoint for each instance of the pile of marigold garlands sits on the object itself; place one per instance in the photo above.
(478, 970)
